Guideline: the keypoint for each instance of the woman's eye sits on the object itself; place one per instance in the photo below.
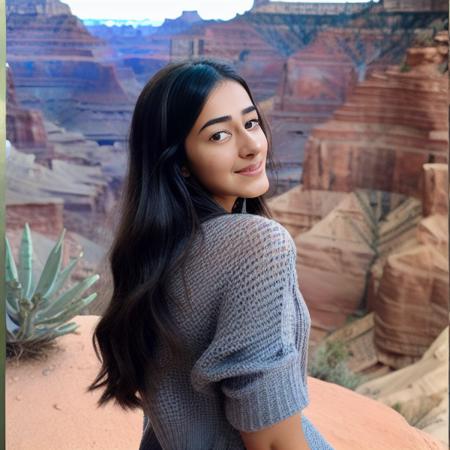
(216, 136)
(256, 121)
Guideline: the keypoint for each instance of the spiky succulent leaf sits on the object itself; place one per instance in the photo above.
(11, 326)
(41, 314)
(26, 261)
(51, 268)
(63, 276)
(66, 328)
(12, 313)
(53, 332)
(13, 294)
(11, 269)
(68, 312)
(67, 297)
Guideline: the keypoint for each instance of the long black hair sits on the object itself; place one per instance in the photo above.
(161, 211)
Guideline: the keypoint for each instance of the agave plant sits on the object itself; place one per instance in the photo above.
(37, 313)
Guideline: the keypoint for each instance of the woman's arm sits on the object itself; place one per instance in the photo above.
(257, 359)
(284, 435)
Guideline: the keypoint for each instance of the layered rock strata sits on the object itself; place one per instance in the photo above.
(239, 42)
(415, 5)
(321, 70)
(299, 210)
(335, 255)
(411, 285)
(56, 70)
(42, 196)
(25, 128)
(390, 126)
(435, 191)
(420, 391)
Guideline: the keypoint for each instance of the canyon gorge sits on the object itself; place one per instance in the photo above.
(356, 96)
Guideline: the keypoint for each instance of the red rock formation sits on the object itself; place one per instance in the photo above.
(311, 8)
(411, 307)
(435, 192)
(45, 217)
(46, 27)
(314, 82)
(411, 302)
(390, 126)
(415, 5)
(136, 52)
(318, 78)
(47, 7)
(338, 245)
(237, 41)
(33, 190)
(397, 233)
(433, 231)
(25, 128)
(56, 70)
(300, 210)
(333, 257)
(420, 391)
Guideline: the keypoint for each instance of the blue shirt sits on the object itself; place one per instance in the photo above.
(246, 329)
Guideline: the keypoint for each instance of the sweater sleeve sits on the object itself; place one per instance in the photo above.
(258, 355)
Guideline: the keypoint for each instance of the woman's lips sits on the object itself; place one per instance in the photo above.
(252, 170)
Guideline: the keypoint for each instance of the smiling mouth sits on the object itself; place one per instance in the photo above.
(251, 169)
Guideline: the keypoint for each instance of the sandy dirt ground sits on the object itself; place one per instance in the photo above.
(47, 408)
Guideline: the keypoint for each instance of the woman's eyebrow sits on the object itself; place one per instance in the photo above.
(225, 118)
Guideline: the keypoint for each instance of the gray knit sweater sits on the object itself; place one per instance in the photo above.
(246, 329)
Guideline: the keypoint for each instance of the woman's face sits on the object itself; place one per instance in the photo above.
(225, 139)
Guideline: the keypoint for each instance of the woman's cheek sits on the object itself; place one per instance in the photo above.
(221, 160)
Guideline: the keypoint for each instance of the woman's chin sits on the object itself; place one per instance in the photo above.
(256, 191)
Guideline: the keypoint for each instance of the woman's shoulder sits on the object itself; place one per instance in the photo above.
(241, 224)
(250, 232)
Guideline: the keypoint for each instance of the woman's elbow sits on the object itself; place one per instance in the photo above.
(284, 435)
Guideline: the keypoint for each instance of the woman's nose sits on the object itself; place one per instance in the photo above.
(251, 142)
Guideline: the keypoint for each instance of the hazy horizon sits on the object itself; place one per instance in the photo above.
(158, 10)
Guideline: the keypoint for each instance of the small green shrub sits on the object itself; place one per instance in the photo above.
(37, 313)
(329, 363)
(424, 38)
(397, 406)
(443, 67)
(404, 67)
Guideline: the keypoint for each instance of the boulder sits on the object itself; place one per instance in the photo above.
(419, 391)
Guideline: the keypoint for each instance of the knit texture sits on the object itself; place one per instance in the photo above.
(246, 329)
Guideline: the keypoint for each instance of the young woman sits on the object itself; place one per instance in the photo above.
(206, 330)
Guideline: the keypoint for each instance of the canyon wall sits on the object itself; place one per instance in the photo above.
(390, 126)
(24, 127)
(415, 5)
(56, 71)
(382, 245)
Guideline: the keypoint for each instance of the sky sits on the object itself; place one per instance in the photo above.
(155, 11)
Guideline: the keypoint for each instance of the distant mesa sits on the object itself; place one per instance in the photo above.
(415, 5)
(41, 7)
(58, 69)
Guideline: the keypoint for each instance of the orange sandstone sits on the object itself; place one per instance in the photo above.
(47, 408)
